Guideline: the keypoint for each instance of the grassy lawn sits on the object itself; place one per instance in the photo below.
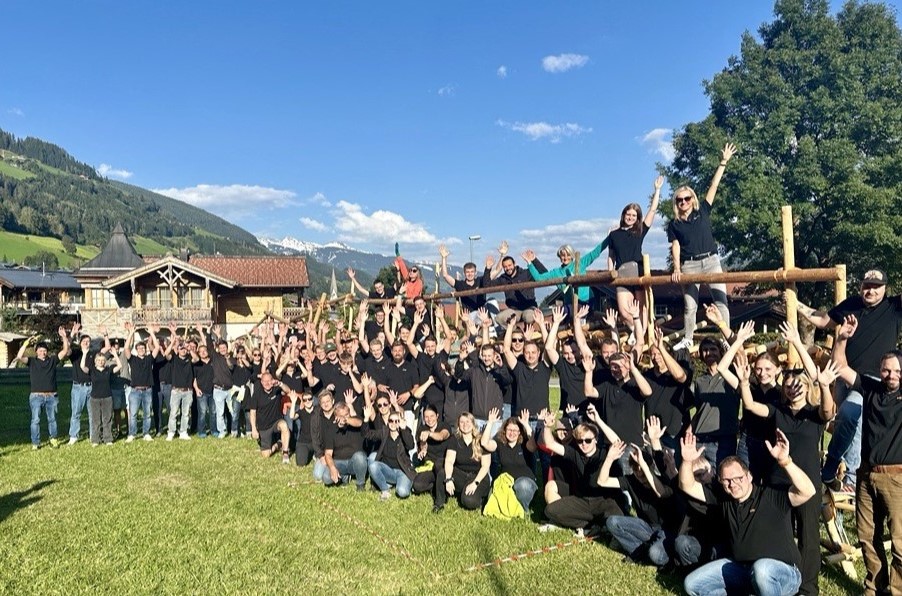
(18, 246)
(11, 171)
(210, 516)
(147, 246)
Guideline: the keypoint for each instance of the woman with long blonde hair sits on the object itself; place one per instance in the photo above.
(466, 468)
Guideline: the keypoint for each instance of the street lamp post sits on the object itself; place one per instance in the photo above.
(474, 238)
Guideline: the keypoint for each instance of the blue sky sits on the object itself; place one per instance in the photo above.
(375, 122)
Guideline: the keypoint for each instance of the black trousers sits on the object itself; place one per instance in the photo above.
(581, 512)
(461, 480)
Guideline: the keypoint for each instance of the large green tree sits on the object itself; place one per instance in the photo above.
(814, 103)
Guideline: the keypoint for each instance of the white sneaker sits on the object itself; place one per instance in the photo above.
(170, 436)
(35, 447)
(148, 438)
(72, 441)
(94, 444)
(184, 437)
(130, 438)
(110, 444)
(683, 344)
(549, 528)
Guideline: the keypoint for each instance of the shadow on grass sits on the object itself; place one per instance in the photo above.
(483, 543)
(12, 502)
(838, 576)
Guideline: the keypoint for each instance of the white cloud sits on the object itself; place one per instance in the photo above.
(381, 227)
(447, 90)
(501, 72)
(312, 224)
(564, 62)
(233, 199)
(660, 141)
(108, 171)
(543, 130)
(16, 112)
(317, 199)
(584, 234)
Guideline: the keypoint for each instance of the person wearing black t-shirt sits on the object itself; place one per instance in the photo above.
(466, 468)
(879, 490)
(587, 504)
(101, 395)
(140, 362)
(42, 375)
(266, 417)
(531, 375)
(302, 413)
(879, 324)
(182, 393)
(625, 250)
(805, 407)
(512, 443)
(669, 379)
(764, 556)
(693, 248)
(469, 282)
(343, 449)
(432, 437)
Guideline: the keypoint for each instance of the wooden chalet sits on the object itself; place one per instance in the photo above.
(235, 292)
(29, 291)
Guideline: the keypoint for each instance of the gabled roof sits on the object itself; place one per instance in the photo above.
(165, 263)
(258, 271)
(32, 279)
(117, 256)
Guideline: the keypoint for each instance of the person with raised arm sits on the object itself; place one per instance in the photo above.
(764, 558)
(101, 395)
(513, 441)
(140, 361)
(879, 490)
(470, 282)
(670, 399)
(693, 248)
(42, 369)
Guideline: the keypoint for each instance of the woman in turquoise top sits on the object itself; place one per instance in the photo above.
(565, 254)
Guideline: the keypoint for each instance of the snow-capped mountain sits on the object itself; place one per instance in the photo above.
(336, 254)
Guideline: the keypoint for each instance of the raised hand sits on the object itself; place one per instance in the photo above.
(745, 331)
(528, 255)
(659, 182)
(827, 375)
(689, 448)
(610, 318)
(848, 327)
(502, 248)
(494, 416)
(589, 362)
(557, 314)
(654, 429)
(789, 333)
(713, 314)
(741, 364)
(729, 150)
(443, 251)
(582, 312)
(547, 416)
(780, 450)
(350, 273)
(616, 449)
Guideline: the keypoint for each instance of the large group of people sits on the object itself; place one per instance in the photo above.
(708, 463)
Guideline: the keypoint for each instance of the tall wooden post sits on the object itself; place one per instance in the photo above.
(840, 288)
(649, 303)
(789, 262)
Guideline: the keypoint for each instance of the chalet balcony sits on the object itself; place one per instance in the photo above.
(33, 308)
(115, 318)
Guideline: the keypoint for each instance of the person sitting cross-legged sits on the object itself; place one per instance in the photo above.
(392, 465)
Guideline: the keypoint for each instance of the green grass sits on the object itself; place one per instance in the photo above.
(11, 171)
(210, 516)
(148, 246)
(18, 246)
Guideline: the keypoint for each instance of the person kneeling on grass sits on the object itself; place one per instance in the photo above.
(343, 448)
(392, 464)
(465, 469)
(266, 417)
(511, 446)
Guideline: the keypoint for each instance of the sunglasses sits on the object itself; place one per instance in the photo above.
(394, 420)
(414, 270)
(682, 199)
(383, 404)
(306, 399)
(517, 339)
(586, 441)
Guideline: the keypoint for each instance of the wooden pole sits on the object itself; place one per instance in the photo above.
(649, 303)
(840, 288)
(789, 264)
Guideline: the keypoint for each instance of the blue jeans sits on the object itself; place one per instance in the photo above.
(765, 577)
(717, 448)
(203, 414)
(80, 395)
(356, 466)
(384, 475)
(179, 399)
(319, 469)
(161, 399)
(846, 441)
(49, 403)
(139, 398)
(688, 549)
(690, 293)
(220, 399)
(525, 487)
(632, 533)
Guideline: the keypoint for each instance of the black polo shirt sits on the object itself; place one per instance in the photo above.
(513, 460)
(531, 388)
(694, 234)
(78, 375)
(804, 430)
(203, 374)
(268, 405)
(142, 370)
(621, 409)
(759, 427)
(435, 449)
(376, 369)
(760, 527)
(878, 331)
(241, 374)
(305, 420)
(344, 442)
(463, 459)
(42, 373)
(326, 372)
(585, 471)
(182, 372)
(881, 434)
(668, 401)
(471, 303)
(572, 380)
(402, 378)
(101, 382)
